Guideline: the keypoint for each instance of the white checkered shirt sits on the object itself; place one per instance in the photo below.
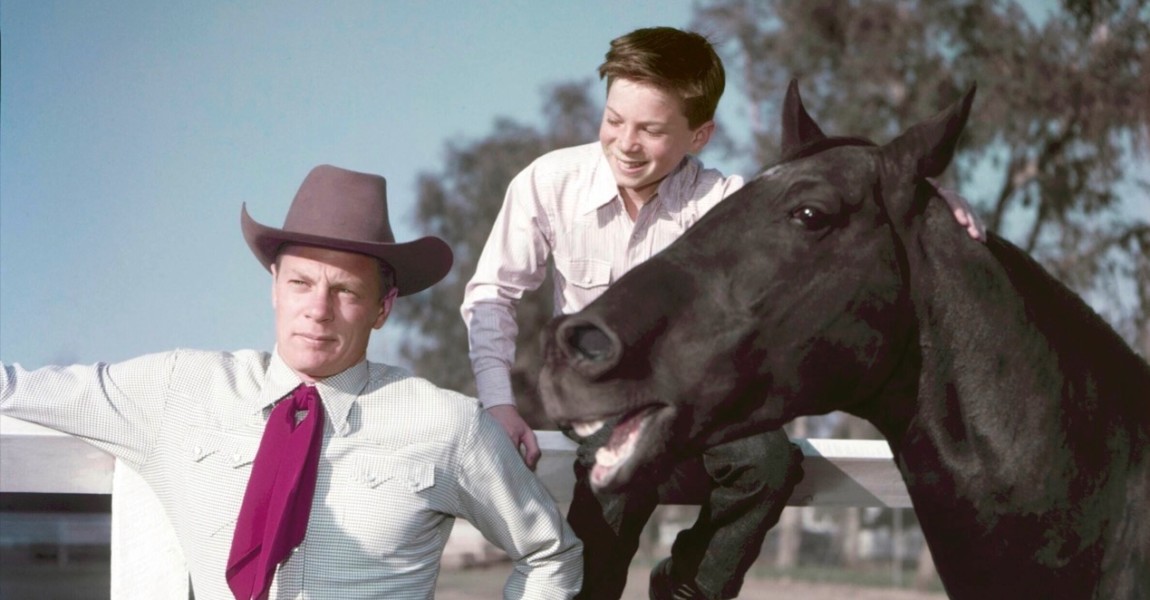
(565, 207)
(401, 460)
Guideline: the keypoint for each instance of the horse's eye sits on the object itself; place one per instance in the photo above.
(810, 218)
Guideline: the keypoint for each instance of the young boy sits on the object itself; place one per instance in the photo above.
(594, 212)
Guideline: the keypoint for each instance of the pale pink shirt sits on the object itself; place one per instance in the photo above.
(565, 207)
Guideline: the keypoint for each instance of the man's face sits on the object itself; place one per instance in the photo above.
(326, 304)
(645, 135)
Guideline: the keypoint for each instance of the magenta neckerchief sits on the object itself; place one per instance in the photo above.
(277, 504)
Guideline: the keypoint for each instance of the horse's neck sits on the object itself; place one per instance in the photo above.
(1007, 355)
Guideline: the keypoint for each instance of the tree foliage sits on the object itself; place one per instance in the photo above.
(1054, 154)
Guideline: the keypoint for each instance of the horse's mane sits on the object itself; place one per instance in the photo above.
(821, 145)
(1088, 341)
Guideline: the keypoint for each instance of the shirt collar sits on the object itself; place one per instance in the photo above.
(338, 392)
(605, 190)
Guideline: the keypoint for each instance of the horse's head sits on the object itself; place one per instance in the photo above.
(787, 299)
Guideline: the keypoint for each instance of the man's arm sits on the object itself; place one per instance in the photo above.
(513, 510)
(117, 407)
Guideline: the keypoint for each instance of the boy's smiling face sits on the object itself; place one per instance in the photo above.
(645, 135)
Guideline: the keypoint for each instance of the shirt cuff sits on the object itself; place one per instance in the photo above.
(493, 386)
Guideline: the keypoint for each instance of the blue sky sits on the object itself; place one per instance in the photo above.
(132, 131)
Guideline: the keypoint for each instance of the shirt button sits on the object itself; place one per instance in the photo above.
(237, 459)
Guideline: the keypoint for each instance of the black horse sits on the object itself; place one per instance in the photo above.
(837, 280)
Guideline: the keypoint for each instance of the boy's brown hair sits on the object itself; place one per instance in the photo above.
(679, 62)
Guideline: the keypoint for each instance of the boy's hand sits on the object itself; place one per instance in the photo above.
(963, 212)
(521, 435)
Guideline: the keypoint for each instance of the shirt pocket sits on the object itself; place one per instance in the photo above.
(218, 466)
(391, 505)
(589, 274)
(374, 472)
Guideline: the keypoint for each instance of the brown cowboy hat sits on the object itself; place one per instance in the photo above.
(345, 210)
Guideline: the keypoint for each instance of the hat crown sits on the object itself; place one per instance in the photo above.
(347, 211)
(338, 203)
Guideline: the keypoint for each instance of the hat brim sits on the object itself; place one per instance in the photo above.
(418, 264)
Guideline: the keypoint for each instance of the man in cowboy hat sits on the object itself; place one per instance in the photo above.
(309, 471)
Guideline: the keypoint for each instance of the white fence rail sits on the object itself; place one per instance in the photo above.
(146, 562)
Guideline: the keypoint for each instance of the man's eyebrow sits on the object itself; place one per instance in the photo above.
(292, 272)
(349, 280)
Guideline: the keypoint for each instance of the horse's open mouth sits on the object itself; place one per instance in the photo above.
(617, 439)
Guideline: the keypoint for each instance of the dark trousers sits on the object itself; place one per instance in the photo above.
(751, 478)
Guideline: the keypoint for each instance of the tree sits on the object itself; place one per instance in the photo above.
(459, 205)
(1061, 119)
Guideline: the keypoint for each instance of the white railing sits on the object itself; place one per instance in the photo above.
(146, 562)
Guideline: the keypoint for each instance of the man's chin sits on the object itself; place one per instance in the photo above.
(312, 366)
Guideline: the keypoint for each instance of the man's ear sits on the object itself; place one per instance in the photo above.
(273, 270)
(701, 136)
(385, 307)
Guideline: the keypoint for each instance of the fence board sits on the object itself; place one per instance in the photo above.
(146, 561)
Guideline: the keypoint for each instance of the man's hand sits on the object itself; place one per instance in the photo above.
(521, 435)
(963, 212)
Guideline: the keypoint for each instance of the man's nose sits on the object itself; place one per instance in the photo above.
(319, 307)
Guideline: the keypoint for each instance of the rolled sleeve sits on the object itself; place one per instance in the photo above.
(513, 261)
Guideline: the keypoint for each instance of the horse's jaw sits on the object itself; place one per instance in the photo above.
(627, 449)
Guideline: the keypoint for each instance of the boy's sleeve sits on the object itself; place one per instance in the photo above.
(514, 260)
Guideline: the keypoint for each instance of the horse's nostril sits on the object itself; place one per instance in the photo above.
(590, 342)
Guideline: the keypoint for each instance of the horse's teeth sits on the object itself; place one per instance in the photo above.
(587, 428)
(606, 458)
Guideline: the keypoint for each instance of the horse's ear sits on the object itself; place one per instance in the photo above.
(798, 126)
(931, 143)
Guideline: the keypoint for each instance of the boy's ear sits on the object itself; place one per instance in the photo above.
(701, 136)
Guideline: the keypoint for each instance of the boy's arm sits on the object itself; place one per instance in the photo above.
(513, 261)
